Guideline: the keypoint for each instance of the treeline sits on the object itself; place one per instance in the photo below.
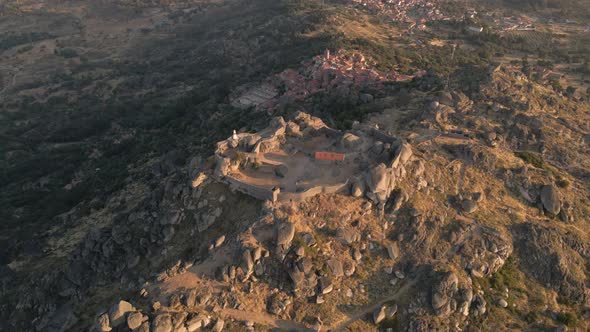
(9, 41)
(576, 8)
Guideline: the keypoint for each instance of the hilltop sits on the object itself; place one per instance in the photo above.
(294, 165)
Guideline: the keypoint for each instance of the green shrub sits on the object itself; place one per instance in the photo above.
(25, 49)
(562, 183)
(531, 158)
(567, 318)
(67, 53)
(532, 317)
(506, 276)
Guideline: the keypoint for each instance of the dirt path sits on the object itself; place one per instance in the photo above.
(264, 319)
(462, 172)
(12, 81)
(289, 325)
(374, 306)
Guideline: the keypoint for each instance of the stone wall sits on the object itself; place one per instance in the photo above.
(285, 196)
(380, 136)
(267, 194)
(248, 189)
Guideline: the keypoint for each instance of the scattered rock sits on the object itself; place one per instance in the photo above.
(402, 156)
(178, 320)
(299, 251)
(293, 129)
(350, 141)
(298, 277)
(174, 301)
(357, 189)
(305, 265)
(468, 206)
(479, 304)
(218, 327)
(326, 285)
(162, 323)
(366, 98)
(356, 255)
(391, 311)
(278, 303)
(257, 254)
(380, 182)
(349, 268)
(392, 250)
(118, 312)
(190, 299)
(196, 323)
(379, 314)
(348, 235)
(400, 199)
(219, 241)
(335, 266)
(443, 292)
(349, 292)
(446, 98)
(134, 320)
(103, 323)
(550, 199)
(247, 261)
(285, 234)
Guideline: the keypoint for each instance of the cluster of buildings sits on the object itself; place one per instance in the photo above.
(517, 23)
(340, 72)
(411, 13)
(415, 14)
(330, 71)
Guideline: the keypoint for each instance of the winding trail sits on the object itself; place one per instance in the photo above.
(370, 308)
(289, 325)
(265, 319)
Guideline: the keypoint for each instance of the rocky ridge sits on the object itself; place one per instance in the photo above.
(475, 210)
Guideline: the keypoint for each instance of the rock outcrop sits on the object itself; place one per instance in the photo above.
(558, 260)
(443, 294)
(550, 199)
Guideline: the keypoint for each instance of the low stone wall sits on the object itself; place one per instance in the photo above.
(383, 137)
(248, 189)
(286, 196)
(267, 194)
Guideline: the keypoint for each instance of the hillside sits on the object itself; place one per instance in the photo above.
(457, 196)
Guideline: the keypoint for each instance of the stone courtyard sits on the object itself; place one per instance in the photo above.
(302, 158)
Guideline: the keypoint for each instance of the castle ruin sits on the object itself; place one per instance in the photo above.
(301, 158)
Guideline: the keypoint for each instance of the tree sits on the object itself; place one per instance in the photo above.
(570, 90)
(556, 85)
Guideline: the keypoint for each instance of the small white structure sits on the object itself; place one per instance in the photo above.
(234, 136)
(473, 29)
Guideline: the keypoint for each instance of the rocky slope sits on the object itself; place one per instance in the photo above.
(484, 226)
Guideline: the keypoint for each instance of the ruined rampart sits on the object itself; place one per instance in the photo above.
(380, 136)
(286, 196)
(249, 189)
(267, 194)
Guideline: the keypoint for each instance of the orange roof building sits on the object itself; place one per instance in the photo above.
(320, 155)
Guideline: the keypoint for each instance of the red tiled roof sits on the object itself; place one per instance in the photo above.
(321, 155)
